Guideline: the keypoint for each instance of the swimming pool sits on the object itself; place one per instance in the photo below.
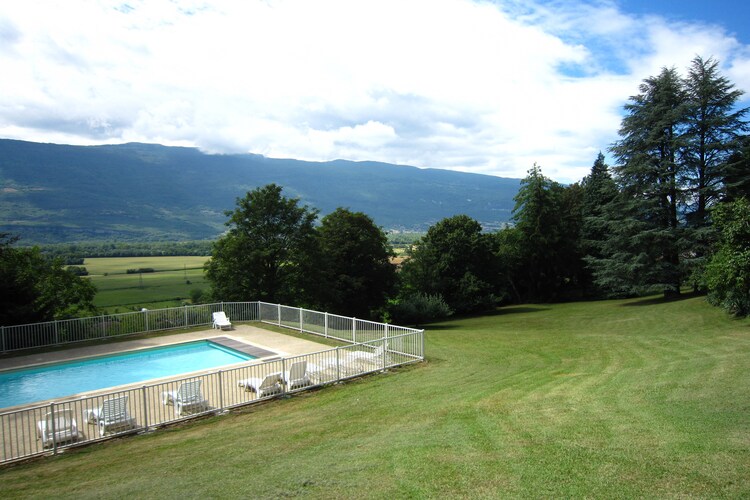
(29, 385)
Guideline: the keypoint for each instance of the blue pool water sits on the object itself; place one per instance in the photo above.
(56, 380)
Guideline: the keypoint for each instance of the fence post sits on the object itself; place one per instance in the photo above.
(354, 330)
(300, 321)
(421, 334)
(145, 408)
(221, 393)
(338, 366)
(284, 378)
(186, 321)
(325, 326)
(260, 313)
(278, 309)
(3, 333)
(385, 351)
(57, 336)
(54, 430)
(104, 328)
(145, 312)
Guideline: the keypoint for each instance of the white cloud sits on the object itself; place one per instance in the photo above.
(469, 85)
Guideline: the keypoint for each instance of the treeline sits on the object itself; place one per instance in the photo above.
(671, 213)
(75, 253)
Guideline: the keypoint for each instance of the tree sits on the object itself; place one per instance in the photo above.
(357, 275)
(737, 172)
(599, 190)
(548, 219)
(454, 260)
(713, 126)
(643, 251)
(728, 271)
(509, 259)
(268, 253)
(36, 289)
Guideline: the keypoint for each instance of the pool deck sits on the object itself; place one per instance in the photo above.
(266, 344)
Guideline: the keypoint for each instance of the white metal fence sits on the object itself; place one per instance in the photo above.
(66, 422)
(17, 337)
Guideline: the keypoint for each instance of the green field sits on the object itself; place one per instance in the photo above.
(169, 286)
(611, 399)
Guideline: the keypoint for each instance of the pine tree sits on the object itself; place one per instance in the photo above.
(643, 251)
(599, 190)
(737, 172)
(713, 128)
(547, 219)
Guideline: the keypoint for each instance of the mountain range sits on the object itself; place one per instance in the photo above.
(51, 193)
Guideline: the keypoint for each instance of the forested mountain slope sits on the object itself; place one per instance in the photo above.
(56, 193)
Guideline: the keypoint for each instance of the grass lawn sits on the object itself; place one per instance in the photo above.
(615, 399)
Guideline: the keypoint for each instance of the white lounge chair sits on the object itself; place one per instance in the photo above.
(270, 384)
(366, 355)
(296, 376)
(187, 397)
(111, 416)
(58, 427)
(221, 321)
(341, 364)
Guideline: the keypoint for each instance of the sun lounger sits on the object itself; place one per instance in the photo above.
(111, 416)
(221, 321)
(187, 397)
(366, 355)
(270, 384)
(296, 376)
(58, 427)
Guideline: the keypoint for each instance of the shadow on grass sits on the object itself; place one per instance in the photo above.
(517, 310)
(661, 299)
(450, 323)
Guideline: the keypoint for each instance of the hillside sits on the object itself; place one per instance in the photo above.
(59, 193)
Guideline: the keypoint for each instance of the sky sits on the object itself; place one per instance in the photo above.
(489, 87)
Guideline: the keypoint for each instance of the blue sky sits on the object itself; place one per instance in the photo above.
(480, 86)
(732, 15)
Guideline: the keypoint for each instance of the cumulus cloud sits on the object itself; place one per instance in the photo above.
(477, 86)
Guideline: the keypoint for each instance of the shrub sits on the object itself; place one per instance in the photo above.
(196, 295)
(419, 308)
(78, 270)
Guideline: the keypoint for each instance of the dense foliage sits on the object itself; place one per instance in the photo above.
(728, 272)
(269, 251)
(274, 253)
(548, 221)
(74, 253)
(454, 261)
(680, 154)
(357, 276)
(34, 288)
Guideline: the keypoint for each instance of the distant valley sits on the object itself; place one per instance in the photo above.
(53, 193)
